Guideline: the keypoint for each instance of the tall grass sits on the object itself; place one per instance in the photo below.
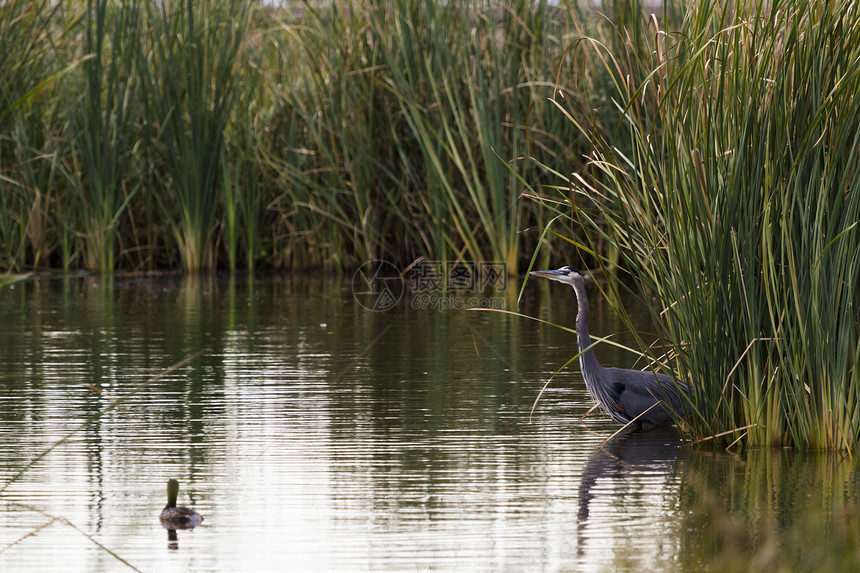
(103, 124)
(190, 81)
(33, 230)
(28, 128)
(197, 136)
(730, 190)
(416, 117)
(245, 190)
(29, 40)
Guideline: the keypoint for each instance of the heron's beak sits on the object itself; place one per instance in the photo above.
(548, 274)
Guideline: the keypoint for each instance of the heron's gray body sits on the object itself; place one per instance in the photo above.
(645, 397)
(648, 398)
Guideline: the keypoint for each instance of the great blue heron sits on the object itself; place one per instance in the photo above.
(645, 398)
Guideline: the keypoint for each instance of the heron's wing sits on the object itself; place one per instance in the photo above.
(637, 392)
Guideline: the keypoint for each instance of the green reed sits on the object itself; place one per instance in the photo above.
(245, 192)
(30, 67)
(103, 125)
(413, 117)
(26, 52)
(196, 136)
(32, 229)
(729, 189)
(190, 83)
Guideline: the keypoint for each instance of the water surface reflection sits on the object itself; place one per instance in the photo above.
(628, 493)
(314, 433)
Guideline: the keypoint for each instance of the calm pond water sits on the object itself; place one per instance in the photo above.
(314, 434)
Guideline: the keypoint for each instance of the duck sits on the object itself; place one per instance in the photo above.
(178, 516)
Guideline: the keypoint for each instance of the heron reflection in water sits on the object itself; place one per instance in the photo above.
(623, 480)
(646, 399)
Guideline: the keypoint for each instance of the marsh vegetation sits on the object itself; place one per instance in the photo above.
(706, 156)
(729, 192)
(224, 134)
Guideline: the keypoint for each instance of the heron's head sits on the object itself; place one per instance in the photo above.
(567, 275)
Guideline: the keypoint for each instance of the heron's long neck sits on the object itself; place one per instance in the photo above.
(587, 361)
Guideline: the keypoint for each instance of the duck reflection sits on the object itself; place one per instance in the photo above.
(172, 539)
(633, 465)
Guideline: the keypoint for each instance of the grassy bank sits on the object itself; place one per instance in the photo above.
(138, 136)
(730, 192)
